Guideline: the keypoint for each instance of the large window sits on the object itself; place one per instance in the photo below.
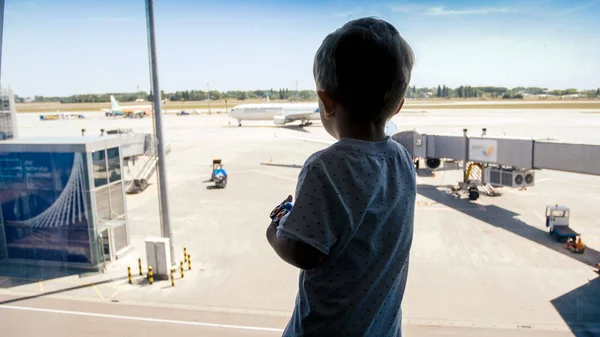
(107, 171)
(99, 168)
(103, 203)
(114, 164)
(117, 206)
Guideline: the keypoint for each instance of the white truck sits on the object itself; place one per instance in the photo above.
(557, 221)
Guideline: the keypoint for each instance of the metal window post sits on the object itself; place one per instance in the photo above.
(1, 35)
(158, 129)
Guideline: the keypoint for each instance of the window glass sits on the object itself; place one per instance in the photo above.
(103, 203)
(117, 208)
(114, 164)
(99, 168)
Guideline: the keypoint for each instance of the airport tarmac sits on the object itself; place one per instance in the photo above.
(483, 268)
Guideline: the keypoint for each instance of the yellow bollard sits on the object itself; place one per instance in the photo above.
(189, 258)
(150, 275)
(129, 274)
(185, 255)
(140, 265)
(172, 277)
(181, 267)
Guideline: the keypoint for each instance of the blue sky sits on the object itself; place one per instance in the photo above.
(66, 47)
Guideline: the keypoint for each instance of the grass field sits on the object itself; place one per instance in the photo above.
(58, 107)
(410, 104)
(510, 105)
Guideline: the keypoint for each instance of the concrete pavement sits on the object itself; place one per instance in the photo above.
(485, 268)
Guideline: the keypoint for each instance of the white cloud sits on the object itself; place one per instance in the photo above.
(442, 11)
(580, 7)
(408, 8)
(472, 11)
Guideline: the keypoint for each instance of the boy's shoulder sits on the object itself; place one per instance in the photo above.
(351, 150)
(352, 147)
(322, 157)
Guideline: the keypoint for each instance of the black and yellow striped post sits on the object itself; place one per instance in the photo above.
(185, 254)
(129, 274)
(150, 275)
(189, 258)
(172, 277)
(140, 266)
(181, 268)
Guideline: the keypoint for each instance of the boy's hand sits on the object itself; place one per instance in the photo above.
(293, 252)
(280, 210)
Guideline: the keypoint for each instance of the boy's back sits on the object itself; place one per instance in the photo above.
(355, 204)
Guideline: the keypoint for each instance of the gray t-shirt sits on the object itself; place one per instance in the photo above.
(354, 203)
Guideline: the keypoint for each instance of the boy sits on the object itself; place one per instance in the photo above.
(350, 228)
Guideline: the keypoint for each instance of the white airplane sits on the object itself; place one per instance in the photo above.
(282, 113)
(279, 113)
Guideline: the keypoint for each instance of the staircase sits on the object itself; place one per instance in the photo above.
(477, 174)
(141, 169)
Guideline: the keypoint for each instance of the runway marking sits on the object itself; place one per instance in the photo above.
(115, 293)
(306, 139)
(98, 292)
(268, 174)
(407, 321)
(142, 319)
(41, 287)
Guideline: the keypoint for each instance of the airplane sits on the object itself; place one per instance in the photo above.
(279, 113)
(282, 113)
(127, 111)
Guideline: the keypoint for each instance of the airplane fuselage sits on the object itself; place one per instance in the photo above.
(133, 108)
(279, 113)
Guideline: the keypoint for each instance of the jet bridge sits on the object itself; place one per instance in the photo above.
(522, 154)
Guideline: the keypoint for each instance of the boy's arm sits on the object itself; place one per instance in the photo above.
(304, 236)
(296, 253)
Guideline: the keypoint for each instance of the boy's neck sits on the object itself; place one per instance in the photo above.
(366, 132)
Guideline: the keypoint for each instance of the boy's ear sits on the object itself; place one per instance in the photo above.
(399, 108)
(328, 103)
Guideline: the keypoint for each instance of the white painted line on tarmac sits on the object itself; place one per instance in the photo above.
(142, 319)
(269, 174)
(307, 139)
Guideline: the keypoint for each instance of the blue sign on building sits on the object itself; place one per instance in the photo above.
(45, 209)
(65, 207)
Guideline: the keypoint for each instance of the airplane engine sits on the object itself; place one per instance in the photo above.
(433, 163)
(279, 120)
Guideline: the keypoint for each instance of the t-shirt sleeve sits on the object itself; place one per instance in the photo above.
(312, 219)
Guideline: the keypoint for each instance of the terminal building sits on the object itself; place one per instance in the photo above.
(62, 201)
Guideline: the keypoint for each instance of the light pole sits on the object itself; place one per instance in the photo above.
(165, 225)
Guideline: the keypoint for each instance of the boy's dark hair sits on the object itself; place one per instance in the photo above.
(366, 66)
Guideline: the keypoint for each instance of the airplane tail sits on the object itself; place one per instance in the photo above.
(113, 100)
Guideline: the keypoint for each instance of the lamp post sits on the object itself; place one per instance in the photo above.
(165, 224)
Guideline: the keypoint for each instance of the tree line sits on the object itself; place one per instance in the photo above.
(177, 96)
(442, 91)
(467, 91)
